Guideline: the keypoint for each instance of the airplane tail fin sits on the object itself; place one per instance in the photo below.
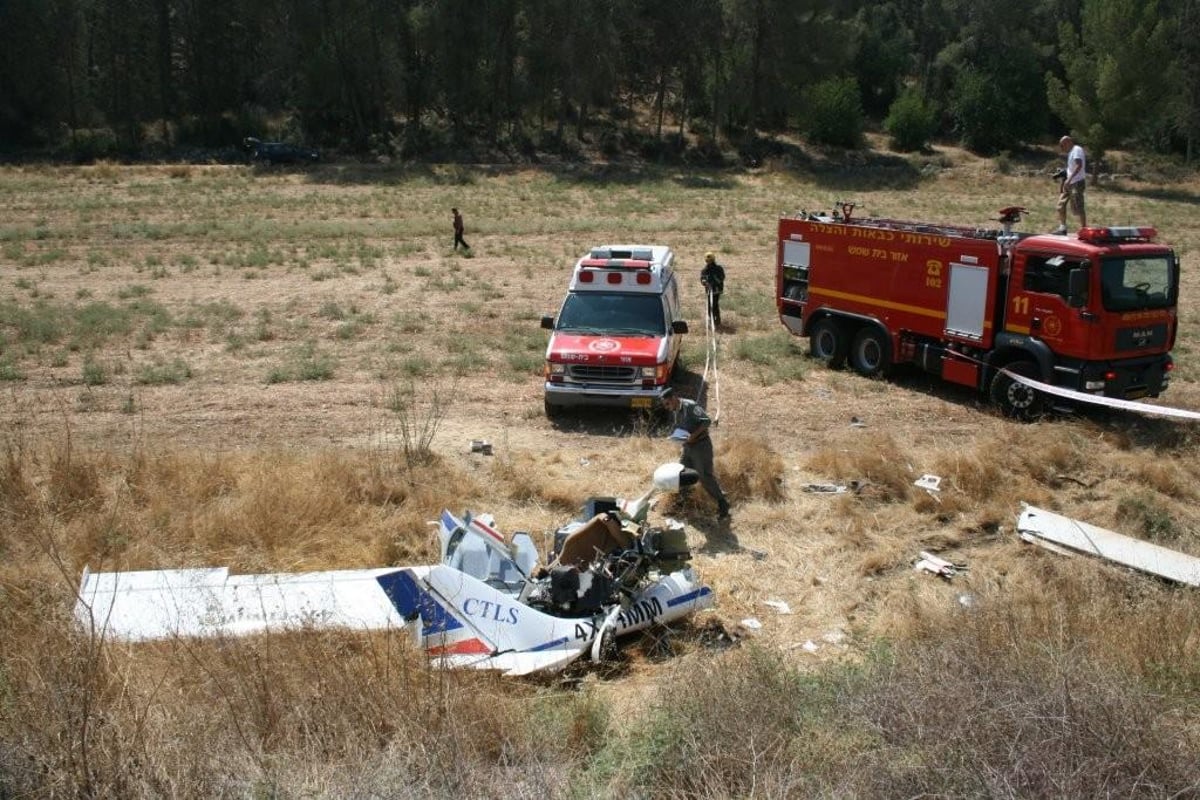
(469, 623)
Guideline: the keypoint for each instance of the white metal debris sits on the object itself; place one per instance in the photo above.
(1055, 531)
(825, 488)
(938, 566)
(930, 483)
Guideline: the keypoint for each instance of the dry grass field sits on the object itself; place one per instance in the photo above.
(278, 370)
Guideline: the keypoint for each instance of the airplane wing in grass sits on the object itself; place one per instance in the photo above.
(162, 604)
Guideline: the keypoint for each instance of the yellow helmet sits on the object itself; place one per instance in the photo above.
(709, 257)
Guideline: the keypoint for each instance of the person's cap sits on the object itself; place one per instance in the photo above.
(709, 257)
(455, 210)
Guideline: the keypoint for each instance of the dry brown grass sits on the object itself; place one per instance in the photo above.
(874, 460)
(750, 469)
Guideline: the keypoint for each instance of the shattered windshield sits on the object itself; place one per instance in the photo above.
(628, 314)
(1137, 282)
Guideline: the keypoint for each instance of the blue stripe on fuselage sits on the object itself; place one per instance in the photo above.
(703, 591)
(549, 645)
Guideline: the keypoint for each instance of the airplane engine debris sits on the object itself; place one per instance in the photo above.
(485, 606)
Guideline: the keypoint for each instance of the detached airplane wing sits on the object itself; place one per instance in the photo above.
(162, 604)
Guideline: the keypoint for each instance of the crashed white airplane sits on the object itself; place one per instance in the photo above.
(482, 607)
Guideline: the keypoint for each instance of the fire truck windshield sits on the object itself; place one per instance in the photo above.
(627, 314)
(1137, 282)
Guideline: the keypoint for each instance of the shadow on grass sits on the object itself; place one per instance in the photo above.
(840, 170)
(1151, 193)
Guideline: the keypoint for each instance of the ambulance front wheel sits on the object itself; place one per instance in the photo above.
(1014, 398)
(827, 342)
(870, 355)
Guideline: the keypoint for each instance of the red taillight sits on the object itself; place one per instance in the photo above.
(1110, 376)
(585, 277)
(614, 277)
(1169, 366)
(643, 278)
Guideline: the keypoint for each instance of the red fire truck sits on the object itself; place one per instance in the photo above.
(1093, 311)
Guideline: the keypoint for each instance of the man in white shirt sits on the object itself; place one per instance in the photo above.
(1071, 190)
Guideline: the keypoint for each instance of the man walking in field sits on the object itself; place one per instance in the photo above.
(458, 231)
(1073, 183)
(713, 279)
(690, 417)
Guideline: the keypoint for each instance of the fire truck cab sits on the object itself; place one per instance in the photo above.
(617, 335)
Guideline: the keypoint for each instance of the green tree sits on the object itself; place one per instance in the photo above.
(990, 75)
(1119, 72)
(911, 121)
(833, 112)
(883, 47)
(774, 50)
(1186, 106)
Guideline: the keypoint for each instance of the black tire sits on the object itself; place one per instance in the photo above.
(1015, 399)
(871, 353)
(553, 412)
(827, 342)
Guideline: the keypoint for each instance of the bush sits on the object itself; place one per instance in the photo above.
(911, 121)
(833, 112)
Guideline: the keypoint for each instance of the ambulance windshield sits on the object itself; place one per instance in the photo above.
(1137, 282)
(614, 314)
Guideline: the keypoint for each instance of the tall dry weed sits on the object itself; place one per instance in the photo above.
(1025, 697)
(750, 469)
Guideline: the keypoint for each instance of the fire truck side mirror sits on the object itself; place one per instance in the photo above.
(679, 326)
(1077, 288)
(548, 323)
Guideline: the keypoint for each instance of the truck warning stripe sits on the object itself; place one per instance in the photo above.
(874, 301)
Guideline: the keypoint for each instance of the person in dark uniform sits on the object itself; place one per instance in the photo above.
(697, 453)
(458, 231)
(713, 278)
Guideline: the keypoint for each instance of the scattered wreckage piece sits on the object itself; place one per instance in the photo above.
(930, 483)
(1063, 534)
(938, 566)
(855, 486)
(485, 606)
(826, 488)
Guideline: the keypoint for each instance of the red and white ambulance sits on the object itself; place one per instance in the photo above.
(617, 336)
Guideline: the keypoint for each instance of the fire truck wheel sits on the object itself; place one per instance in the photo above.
(869, 355)
(827, 342)
(1014, 398)
(552, 411)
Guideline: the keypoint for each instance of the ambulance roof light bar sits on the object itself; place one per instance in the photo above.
(615, 263)
(607, 253)
(1144, 233)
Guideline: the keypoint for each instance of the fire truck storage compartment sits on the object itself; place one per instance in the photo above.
(966, 304)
